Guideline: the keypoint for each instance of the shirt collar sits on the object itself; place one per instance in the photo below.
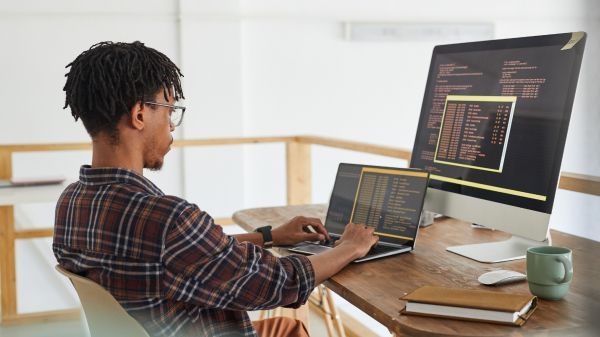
(111, 175)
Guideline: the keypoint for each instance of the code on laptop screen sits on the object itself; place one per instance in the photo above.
(388, 199)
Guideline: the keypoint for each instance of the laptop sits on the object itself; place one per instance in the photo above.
(389, 199)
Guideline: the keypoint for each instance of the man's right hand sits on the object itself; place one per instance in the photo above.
(360, 237)
(354, 243)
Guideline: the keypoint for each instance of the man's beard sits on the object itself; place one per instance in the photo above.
(157, 164)
(154, 166)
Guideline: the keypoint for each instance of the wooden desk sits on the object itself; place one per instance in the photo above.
(376, 286)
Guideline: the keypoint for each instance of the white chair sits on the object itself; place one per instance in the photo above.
(105, 316)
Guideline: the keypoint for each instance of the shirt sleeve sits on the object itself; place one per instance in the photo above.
(206, 267)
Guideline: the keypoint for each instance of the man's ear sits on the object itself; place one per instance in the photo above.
(136, 115)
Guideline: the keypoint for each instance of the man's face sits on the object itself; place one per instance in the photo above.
(159, 137)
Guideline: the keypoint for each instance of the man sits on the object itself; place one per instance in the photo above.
(163, 258)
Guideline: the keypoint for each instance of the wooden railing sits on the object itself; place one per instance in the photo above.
(298, 175)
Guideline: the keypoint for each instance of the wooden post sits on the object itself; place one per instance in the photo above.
(5, 164)
(299, 179)
(8, 282)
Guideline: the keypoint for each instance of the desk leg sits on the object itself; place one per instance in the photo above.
(322, 299)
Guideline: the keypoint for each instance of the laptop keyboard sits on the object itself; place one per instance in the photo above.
(377, 249)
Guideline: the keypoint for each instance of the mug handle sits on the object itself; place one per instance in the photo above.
(568, 269)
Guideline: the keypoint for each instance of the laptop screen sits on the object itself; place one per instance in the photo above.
(389, 199)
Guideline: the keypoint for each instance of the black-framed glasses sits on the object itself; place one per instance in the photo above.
(175, 114)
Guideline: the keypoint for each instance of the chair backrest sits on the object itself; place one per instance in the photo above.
(104, 315)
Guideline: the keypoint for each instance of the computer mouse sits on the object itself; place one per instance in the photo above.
(502, 276)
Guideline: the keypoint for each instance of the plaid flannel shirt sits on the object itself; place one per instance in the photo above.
(166, 261)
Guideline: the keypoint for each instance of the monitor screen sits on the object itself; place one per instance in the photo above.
(494, 122)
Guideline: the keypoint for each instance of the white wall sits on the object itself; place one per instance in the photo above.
(211, 61)
(279, 67)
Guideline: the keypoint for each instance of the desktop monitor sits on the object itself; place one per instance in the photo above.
(492, 131)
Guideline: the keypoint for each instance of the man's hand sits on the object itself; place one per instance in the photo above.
(354, 243)
(360, 237)
(299, 229)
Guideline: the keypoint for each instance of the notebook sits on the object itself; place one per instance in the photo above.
(389, 199)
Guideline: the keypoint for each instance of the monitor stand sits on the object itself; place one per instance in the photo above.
(514, 248)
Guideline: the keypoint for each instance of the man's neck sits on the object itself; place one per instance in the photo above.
(122, 155)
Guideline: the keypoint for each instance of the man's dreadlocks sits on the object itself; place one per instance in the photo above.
(108, 79)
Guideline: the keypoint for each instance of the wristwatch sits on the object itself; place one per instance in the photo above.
(267, 237)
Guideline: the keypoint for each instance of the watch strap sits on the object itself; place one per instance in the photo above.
(267, 237)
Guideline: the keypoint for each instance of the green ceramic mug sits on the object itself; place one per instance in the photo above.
(549, 271)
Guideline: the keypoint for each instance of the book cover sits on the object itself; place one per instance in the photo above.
(470, 304)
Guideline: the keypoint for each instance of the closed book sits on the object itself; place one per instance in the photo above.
(470, 304)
